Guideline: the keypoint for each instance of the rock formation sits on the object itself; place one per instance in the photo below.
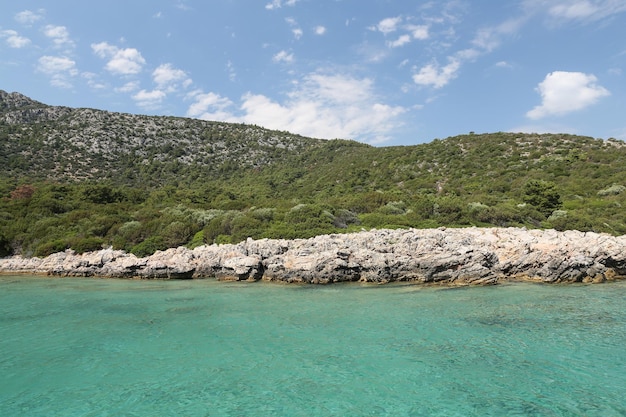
(448, 256)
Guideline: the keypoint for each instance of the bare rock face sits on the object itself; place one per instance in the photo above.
(448, 256)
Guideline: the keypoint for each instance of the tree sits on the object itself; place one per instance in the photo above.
(542, 195)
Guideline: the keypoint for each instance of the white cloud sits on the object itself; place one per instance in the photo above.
(13, 39)
(575, 10)
(319, 105)
(230, 68)
(56, 64)
(210, 106)
(320, 30)
(283, 56)
(129, 87)
(388, 25)
(92, 81)
(326, 106)
(489, 38)
(277, 4)
(485, 41)
(170, 79)
(59, 68)
(419, 32)
(126, 61)
(149, 99)
(435, 76)
(59, 35)
(180, 4)
(579, 10)
(584, 9)
(372, 53)
(402, 40)
(394, 24)
(295, 28)
(28, 17)
(564, 92)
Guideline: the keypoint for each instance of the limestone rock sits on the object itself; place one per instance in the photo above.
(449, 256)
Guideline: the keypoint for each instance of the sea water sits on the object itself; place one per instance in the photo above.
(96, 347)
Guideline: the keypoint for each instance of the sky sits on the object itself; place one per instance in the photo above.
(383, 72)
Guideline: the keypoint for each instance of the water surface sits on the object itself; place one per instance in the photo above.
(95, 347)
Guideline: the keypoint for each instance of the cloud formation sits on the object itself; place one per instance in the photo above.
(125, 61)
(565, 92)
(488, 38)
(210, 106)
(28, 17)
(320, 105)
(169, 79)
(578, 10)
(59, 68)
(13, 39)
(388, 25)
(277, 4)
(435, 76)
(295, 28)
(149, 99)
(283, 56)
(320, 30)
(59, 35)
(395, 24)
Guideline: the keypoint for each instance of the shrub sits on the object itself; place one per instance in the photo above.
(501, 216)
(393, 207)
(86, 244)
(48, 248)
(244, 227)
(343, 218)
(197, 240)
(176, 233)
(101, 194)
(612, 190)
(149, 246)
(384, 221)
(264, 214)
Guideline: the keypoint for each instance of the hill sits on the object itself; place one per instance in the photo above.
(65, 144)
(85, 178)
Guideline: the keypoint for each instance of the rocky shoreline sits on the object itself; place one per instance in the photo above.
(476, 256)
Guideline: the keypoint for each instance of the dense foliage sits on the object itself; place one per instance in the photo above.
(216, 182)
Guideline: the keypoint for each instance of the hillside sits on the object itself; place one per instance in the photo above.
(65, 144)
(85, 178)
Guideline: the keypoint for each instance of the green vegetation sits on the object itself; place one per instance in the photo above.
(86, 179)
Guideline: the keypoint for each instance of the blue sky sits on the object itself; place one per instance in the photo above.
(384, 72)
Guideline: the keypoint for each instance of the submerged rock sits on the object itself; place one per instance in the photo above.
(450, 256)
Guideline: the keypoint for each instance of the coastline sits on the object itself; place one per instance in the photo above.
(467, 256)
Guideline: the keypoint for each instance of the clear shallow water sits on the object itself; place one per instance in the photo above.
(89, 347)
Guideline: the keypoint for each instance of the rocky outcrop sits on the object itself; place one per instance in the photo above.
(449, 256)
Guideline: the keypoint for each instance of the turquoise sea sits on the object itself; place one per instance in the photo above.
(103, 347)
